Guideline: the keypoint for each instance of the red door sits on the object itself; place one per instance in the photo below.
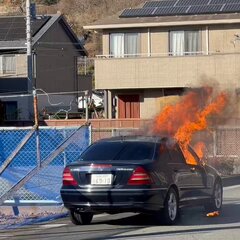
(128, 106)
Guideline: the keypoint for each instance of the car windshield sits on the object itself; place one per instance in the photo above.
(119, 151)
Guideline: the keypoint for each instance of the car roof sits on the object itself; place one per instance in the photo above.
(137, 138)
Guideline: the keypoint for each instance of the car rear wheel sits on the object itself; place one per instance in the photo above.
(215, 203)
(80, 218)
(171, 207)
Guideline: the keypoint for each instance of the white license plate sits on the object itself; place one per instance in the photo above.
(101, 179)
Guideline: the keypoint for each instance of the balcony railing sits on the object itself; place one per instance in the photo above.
(166, 54)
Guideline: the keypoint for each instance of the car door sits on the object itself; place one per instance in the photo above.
(189, 178)
(198, 176)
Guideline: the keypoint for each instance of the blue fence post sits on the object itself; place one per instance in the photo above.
(15, 207)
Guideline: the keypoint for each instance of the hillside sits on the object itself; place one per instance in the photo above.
(77, 12)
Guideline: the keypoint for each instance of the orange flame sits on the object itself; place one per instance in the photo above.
(182, 120)
(199, 149)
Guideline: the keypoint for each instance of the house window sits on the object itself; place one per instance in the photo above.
(8, 64)
(124, 44)
(185, 43)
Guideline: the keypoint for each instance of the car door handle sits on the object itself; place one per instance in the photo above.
(176, 170)
(193, 169)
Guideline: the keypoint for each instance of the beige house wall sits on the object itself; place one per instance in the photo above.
(159, 40)
(221, 38)
(154, 102)
(156, 70)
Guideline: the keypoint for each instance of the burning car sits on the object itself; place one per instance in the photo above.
(138, 174)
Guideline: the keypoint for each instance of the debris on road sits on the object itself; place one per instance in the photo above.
(213, 214)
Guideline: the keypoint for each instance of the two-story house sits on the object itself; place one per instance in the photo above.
(55, 50)
(152, 53)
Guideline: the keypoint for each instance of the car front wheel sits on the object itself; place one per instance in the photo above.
(217, 197)
(80, 218)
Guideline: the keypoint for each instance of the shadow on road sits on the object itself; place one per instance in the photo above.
(189, 217)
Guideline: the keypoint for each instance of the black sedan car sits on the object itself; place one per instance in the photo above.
(138, 174)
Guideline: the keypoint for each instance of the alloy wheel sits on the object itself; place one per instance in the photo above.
(218, 195)
(172, 206)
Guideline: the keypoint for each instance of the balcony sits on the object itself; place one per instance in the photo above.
(167, 71)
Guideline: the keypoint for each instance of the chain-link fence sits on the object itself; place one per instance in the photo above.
(98, 134)
(35, 172)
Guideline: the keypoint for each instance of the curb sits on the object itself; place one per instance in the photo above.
(35, 221)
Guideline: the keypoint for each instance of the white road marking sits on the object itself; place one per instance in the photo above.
(52, 225)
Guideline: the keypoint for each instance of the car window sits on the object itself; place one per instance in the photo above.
(176, 155)
(122, 150)
(137, 151)
(195, 156)
(102, 151)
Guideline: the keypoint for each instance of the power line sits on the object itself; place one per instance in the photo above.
(41, 94)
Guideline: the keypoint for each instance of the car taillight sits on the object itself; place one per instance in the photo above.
(68, 179)
(140, 177)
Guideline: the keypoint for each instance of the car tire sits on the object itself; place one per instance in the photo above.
(80, 218)
(171, 207)
(215, 203)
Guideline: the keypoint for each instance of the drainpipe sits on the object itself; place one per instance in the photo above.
(149, 42)
(207, 40)
(106, 103)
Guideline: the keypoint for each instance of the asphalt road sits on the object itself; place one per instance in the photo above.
(192, 225)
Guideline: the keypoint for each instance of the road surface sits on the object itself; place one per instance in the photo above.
(192, 225)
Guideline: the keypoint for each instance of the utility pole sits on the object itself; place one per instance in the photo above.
(31, 86)
(29, 46)
(87, 109)
(30, 62)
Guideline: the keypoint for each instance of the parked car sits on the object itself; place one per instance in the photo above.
(138, 174)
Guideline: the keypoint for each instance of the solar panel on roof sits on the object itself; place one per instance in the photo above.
(188, 7)
(170, 11)
(192, 2)
(231, 8)
(224, 1)
(160, 4)
(204, 9)
(137, 12)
